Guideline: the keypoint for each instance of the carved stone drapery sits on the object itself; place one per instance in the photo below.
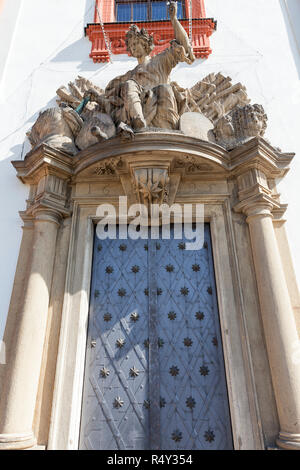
(142, 98)
(214, 110)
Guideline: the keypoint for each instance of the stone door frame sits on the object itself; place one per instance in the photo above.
(65, 422)
(64, 195)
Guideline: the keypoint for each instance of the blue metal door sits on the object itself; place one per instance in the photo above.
(154, 374)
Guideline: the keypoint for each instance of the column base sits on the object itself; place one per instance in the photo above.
(288, 441)
(17, 441)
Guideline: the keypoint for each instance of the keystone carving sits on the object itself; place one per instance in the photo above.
(151, 185)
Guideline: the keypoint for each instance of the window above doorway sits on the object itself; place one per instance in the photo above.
(145, 11)
(113, 18)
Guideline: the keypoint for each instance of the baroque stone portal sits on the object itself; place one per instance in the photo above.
(207, 149)
(146, 98)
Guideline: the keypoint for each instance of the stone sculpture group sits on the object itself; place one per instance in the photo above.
(144, 98)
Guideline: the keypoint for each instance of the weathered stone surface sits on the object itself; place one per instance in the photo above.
(52, 129)
(215, 96)
(74, 94)
(240, 125)
(197, 171)
(89, 133)
(140, 98)
(196, 125)
(151, 185)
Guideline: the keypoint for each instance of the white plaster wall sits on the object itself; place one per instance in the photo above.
(8, 19)
(256, 44)
(292, 10)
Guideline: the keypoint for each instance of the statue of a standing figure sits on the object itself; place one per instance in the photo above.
(144, 96)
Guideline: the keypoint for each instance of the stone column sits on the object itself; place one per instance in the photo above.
(22, 378)
(277, 316)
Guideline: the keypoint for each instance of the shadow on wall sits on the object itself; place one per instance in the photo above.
(75, 52)
(19, 151)
(81, 48)
(13, 195)
(15, 200)
(291, 14)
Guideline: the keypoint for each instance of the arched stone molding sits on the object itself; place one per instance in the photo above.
(228, 184)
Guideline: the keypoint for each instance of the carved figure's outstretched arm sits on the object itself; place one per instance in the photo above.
(180, 34)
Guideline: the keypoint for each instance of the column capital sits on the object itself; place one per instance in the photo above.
(44, 214)
(28, 220)
(43, 161)
(257, 210)
(257, 206)
(256, 197)
(48, 172)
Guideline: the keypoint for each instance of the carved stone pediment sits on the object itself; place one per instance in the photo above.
(151, 166)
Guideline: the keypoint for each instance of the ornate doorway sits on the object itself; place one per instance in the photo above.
(154, 376)
(59, 223)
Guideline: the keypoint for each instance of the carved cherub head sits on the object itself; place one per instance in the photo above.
(256, 120)
(139, 43)
(224, 129)
(240, 125)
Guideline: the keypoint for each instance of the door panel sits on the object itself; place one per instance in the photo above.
(194, 413)
(114, 414)
(154, 368)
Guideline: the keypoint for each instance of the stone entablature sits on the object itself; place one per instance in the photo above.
(252, 163)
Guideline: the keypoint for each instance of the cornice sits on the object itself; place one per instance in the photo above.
(146, 143)
(42, 161)
(256, 153)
